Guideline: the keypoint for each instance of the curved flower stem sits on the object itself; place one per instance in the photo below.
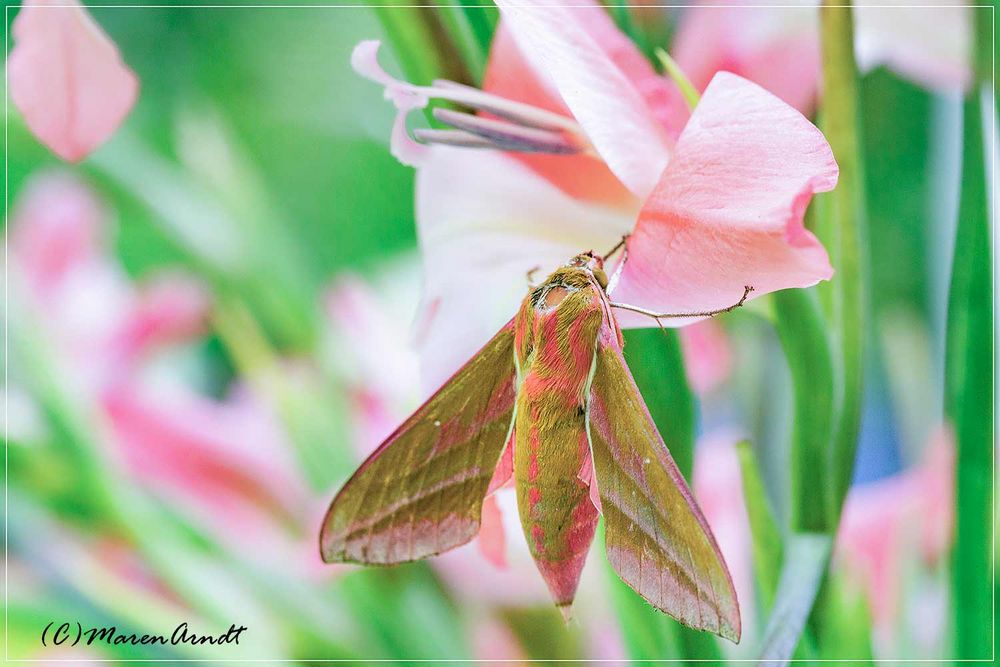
(969, 367)
(803, 333)
(841, 226)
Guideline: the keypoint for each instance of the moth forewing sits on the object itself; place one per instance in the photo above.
(656, 537)
(421, 492)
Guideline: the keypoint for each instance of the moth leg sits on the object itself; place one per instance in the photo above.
(705, 313)
(613, 281)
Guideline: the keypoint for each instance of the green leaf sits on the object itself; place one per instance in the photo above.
(403, 614)
(482, 16)
(312, 413)
(456, 22)
(844, 623)
(654, 356)
(969, 378)
(426, 50)
(806, 558)
(544, 635)
(764, 531)
(803, 333)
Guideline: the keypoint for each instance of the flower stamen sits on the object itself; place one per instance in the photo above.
(517, 127)
(505, 135)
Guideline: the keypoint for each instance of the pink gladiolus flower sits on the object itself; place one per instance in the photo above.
(707, 355)
(224, 463)
(96, 318)
(778, 47)
(589, 144)
(67, 78)
(887, 520)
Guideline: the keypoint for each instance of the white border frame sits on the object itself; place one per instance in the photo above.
(993, 192)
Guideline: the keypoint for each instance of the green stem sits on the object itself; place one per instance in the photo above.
(670, 66)
(423, 45)
(482, 17)
(969, 374)
(764, 531)
(841, 227)
(803, 333)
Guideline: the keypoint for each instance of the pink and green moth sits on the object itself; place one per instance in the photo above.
(550, 400)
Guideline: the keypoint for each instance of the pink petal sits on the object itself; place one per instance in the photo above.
(604, 81)
(65, 272)
(67, 78)
(584, 176)
(936, 477)
(492, 544)
(589, 477)
(57, 226)
(504, 469)
(870, 540)
(718, 486)
(170, 308)
(728, 210)
(228, 452)
(775, 47)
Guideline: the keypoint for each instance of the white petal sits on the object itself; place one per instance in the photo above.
(484, 221)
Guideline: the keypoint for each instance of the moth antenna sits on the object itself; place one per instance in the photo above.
(705, 313)
(619, 245)
(530, 276)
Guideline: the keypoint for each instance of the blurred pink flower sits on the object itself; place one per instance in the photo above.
(225, 463)
(93, 314)
(707, 355)
(493, 643)
(886, 521)
(379, 366)
(67, 78)
(713, 201)
(778, 47)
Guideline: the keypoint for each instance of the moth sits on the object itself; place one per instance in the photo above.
(550, 400)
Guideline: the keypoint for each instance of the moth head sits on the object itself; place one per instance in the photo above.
(592, 263)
